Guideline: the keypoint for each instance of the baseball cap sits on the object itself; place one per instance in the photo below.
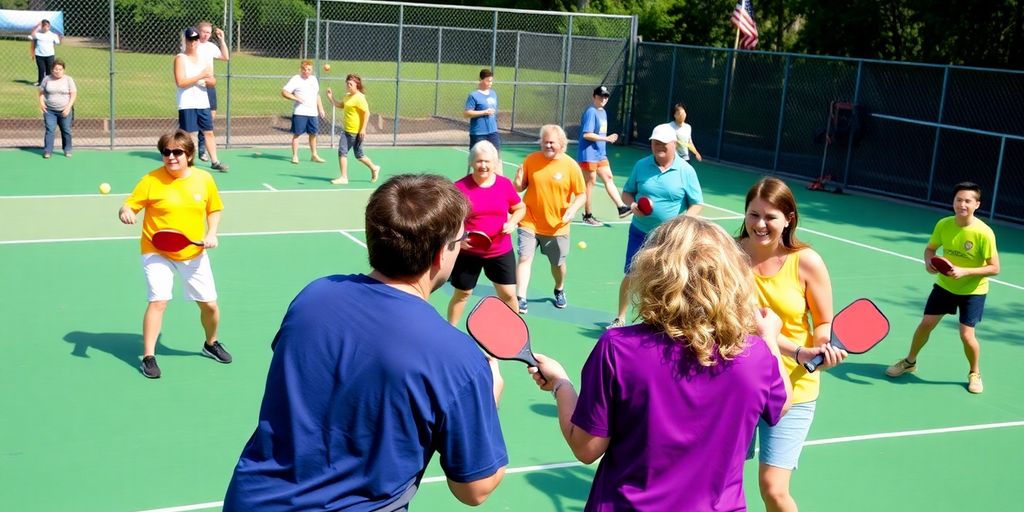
(602, 91)
(191, 33)
(663, 133)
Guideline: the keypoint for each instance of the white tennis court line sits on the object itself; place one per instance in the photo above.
(222, 192)
(354, 239)
(560, 465)
(270, 188)
(866, 246)
(136, 237)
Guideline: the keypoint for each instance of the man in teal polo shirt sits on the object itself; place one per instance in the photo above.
(672, 187)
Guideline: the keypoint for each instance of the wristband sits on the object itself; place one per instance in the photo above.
(554, 390)
(796, 356)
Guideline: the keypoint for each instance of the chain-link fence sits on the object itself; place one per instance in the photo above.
(418, 64)
(906, 130)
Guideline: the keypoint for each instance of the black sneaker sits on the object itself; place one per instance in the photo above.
(219, 166)
(624, 211)
(149, 367)
(216, 352)
(590, 220)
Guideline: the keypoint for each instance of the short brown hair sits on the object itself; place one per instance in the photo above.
(776, 193)
(486, 73)
(409, 219)
(355, 78)
(183, 140)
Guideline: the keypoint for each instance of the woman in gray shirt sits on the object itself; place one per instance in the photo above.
(57, 93)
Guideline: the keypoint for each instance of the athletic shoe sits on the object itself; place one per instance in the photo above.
(974, 384)
(624, 211)
(560, 299)
(522, 305)
(902, 366)
(149, 367)
(216, 351)
(218, 166)
(204, 156)
(616, 323)
(590, 220)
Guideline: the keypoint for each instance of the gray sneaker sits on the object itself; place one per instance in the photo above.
(900, 367)
(204, 156)
(560, 299)
(216, 352)
(590, 220)
(149, 367)
(219, 166)
(618, 322)
(523, 305)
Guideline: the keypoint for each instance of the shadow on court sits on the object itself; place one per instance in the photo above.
(149, 155)
(124, 346)
(869, 373)
(567, 488)
(549, 410)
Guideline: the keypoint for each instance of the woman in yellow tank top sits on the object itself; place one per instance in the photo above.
(793, 281)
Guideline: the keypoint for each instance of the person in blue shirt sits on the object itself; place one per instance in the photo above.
(593, 155)
(671, 185)
(356, 403)
(482, 112)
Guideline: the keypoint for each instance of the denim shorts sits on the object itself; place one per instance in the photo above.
(780, 446)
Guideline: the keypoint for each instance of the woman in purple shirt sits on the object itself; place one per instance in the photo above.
(671, 403)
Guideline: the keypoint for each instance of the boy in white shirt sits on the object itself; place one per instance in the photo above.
(304, 90)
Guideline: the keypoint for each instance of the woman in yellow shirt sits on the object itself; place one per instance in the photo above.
(356, 113)
(177, 196)
(793, 281)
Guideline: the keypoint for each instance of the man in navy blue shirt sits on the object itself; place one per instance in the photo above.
(482, 112)
(367, 380)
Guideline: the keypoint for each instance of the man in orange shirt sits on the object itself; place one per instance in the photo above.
(554, 192)
(181, 197)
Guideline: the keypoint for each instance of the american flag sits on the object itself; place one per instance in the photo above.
(743, 18)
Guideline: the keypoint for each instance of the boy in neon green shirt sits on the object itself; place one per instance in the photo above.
(970, 246)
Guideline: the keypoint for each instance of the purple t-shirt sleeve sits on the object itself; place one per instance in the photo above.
(597, 384)
(776, 388)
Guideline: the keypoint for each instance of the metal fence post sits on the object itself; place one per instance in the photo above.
(398, 73)
(305, 39)
(938, 132)
(671, 81)
(437, 70)
(782, 111)
(227, 110)
(632, 57)
(725, 99)
(515, 83)
(849, 140)
(316, 32)
(494, 45)
(111, 79)
(999, 173)
(565, 74)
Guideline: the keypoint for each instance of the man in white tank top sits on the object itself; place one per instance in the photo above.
(210, 51)
(192, 74)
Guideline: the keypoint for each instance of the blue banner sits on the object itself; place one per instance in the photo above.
(25, 21)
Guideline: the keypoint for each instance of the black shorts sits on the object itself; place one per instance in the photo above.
(499, 269)
(944, 302)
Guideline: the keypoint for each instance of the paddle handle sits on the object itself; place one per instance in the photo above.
(814, 363)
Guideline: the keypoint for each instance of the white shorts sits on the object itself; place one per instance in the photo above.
(196, 274)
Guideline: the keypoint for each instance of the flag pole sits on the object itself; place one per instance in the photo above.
(735, 47)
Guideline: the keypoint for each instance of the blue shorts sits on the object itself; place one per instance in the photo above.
(633, 244)
(780, 446)
(193, 120)
(211, 92)
(944, 302)
(305, 124)
(349, 140)
(490, 137)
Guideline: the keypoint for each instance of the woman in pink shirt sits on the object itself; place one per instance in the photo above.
(495, 210)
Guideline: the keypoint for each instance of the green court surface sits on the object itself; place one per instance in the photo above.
(82, 430)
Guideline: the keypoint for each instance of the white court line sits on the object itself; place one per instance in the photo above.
(136, 237)
(866, 246)
(354, 239)
(559, 465)
(222, 192)
(268, 187)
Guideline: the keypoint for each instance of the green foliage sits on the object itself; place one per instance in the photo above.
(274, 27)
(154, 26)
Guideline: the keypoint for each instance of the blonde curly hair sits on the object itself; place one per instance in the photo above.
(693, 282)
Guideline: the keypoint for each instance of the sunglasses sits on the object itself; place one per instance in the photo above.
(176, 152)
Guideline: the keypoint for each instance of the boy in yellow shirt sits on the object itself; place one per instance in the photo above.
(970, 245)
